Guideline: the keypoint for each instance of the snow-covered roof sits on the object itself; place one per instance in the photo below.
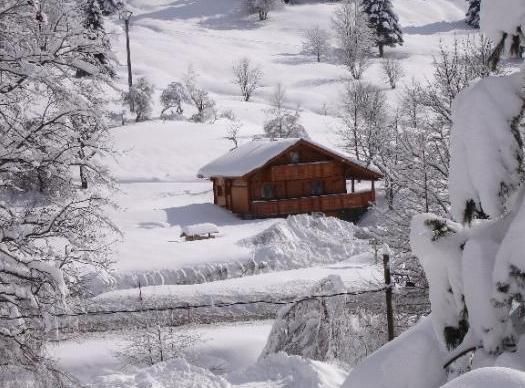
(256, 154)
(200, 229)
(246, 158)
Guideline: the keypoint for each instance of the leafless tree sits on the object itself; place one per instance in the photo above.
(140, 97)
(316, 42)
(173, 97)
(260, 7)
(247, 77)
(363, 111)
(393, 71)
(282, 122)
(201, 100)
(233, 130)
(354, 36)
(52, 233)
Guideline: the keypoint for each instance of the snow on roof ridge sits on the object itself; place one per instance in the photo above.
(246, 158)
(256, 153)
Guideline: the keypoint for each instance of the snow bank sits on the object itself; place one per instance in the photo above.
(173, 373)
(486, 158)
(489, 378)
(413, 360)
(303, 241)
(282, 370)
(298, 242)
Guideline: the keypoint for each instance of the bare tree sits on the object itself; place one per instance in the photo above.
(282, 122)
(247, 77)
(316, 42)
(201, 100)
(156, 343)
(354, 37)
(172, 97)
(52, 233)
(393, 71)
(260, 7)
(140, 97)
(363, 111)
(233, 130)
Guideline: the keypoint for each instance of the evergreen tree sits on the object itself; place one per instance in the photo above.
(384, 22)
(473, 13)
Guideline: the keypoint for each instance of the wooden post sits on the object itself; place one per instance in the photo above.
(353, 185)
(388, 296)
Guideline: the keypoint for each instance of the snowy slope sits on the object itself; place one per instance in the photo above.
(156, 170)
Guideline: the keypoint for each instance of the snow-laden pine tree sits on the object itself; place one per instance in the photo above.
(384, 22)
(474, 262)
(52, 233)
(472, 18)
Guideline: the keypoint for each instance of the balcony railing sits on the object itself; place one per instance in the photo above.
(323, 203)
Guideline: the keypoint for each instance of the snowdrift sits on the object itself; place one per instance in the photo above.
(489, 378)
(300, 241)
(276, 371)
(303, 240)
(174, 373)
(413, 360)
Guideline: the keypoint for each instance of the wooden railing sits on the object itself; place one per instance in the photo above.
(323, 203)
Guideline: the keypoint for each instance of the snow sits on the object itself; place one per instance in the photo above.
(176, 372)
(442, 262)
(159, 194)
(357, 273)
(503, 16)
(412, 360)
(489, 378)
(246, 158)
(231, 350)
(200, 229)
(485, 156)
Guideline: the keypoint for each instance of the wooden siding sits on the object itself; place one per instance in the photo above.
(301, 171)
(323, 203)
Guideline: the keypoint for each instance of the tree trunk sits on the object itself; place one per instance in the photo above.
(381, 50)
(83, 178)
(388, 296)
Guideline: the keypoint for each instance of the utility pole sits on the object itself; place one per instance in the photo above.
(388, 296)
(126, 16)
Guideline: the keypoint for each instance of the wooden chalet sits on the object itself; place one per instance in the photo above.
(275, 178)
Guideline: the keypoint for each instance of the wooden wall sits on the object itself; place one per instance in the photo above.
(290, 177)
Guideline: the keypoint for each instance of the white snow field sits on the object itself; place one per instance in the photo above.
(159, 193)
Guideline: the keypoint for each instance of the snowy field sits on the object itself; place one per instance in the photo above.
(159, 193)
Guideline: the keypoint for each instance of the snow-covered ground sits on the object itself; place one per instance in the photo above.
(159, 193)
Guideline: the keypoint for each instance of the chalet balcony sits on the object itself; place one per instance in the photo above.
(323, 203)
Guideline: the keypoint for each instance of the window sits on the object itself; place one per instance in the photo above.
(294, 157)
(267, 191)
(317, 188)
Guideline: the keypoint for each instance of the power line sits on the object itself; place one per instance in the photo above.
(217, 305)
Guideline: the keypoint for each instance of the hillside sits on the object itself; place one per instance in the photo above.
(159, 192)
